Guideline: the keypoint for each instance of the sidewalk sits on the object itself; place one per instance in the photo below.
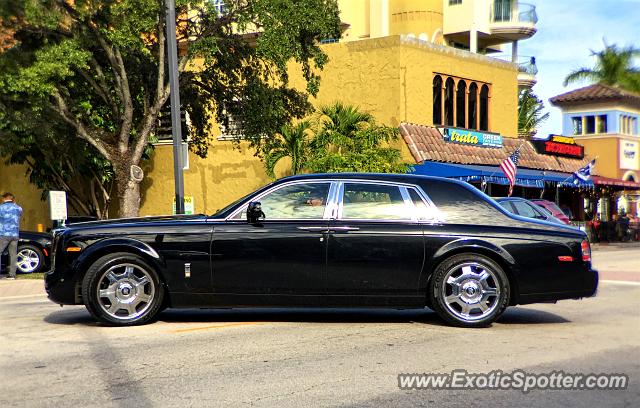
(615, 245)
(21, 287)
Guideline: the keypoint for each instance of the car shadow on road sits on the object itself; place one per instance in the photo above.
(79, 316)
(517, 315)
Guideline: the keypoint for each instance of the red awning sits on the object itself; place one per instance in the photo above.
(615, 182)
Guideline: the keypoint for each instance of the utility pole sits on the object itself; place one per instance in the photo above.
(174, 86)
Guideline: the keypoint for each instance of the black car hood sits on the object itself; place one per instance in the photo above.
(134, 221)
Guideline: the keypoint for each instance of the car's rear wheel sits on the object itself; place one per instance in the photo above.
(469, 290)
(122, 289)
(29, 259)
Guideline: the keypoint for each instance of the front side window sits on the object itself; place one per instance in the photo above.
(374, 202)
(295, 201)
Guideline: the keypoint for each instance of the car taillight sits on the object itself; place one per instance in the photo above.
(586, 251)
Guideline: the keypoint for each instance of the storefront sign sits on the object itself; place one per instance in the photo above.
(471, 137)
(559, 146)
(629, 155)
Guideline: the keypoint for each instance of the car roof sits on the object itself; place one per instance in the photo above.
(407, 178)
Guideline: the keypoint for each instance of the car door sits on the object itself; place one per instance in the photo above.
(281, 259)
(375, 249)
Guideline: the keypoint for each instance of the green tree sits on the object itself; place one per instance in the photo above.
(99, 68)
(530, 113)
(614, 66)
(348, 140)
(292, 141)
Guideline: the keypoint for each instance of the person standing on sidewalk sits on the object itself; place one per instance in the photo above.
(10, 214)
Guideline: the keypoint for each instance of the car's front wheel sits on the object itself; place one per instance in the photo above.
(469, 290)
(122, 289)
(29, 259)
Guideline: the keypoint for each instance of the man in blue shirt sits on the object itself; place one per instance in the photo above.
(10, 214)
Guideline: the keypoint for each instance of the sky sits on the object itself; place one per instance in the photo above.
(567, 31)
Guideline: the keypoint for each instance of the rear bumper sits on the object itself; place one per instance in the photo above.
(589, 289)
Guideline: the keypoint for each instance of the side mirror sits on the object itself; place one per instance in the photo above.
(254, 212)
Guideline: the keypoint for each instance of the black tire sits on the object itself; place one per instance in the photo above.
(131, 283)
(29, 266)
(459, 290)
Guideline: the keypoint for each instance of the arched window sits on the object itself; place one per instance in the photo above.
(472, 106)
(484, 108)
(461, 104)
(437, 100)
(448, 101)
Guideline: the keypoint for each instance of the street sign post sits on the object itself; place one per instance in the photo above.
(58, 205)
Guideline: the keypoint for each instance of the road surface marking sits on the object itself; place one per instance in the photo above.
(630, 283)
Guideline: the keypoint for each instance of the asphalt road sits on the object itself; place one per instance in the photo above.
(53, 357)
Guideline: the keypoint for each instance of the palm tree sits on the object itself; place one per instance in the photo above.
(350, 140)
(530, 115)
(292, 142)
(340, 125)
(614, 66)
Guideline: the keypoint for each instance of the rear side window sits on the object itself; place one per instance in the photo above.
(373, 202)
(423, 211)
(458, 205)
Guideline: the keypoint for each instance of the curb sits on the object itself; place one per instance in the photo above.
(21, 287)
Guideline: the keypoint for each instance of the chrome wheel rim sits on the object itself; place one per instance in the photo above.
(125, 291)
(27, 260)
(471, 291)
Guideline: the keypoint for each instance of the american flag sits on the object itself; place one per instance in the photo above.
(510, 167)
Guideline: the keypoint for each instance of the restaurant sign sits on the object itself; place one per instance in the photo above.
(471, 137)
(559, 146)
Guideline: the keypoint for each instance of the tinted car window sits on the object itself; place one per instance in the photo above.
(296, 201)
(373, 201)
(423, 211)
(507, 206)
(525, 210)
(459, 205)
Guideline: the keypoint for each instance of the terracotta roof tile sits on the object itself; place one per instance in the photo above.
(426, 144)
(596, 93)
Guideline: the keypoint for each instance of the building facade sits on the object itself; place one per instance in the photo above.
(424, 62)
(604, 119)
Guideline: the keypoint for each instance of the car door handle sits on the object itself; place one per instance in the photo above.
(344, 229)
(314, 229)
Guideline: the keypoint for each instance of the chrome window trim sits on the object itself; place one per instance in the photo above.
(333, 208)
(278, 187)
(400, 186)
(439, 218)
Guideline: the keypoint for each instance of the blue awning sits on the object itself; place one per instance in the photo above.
(493, 174)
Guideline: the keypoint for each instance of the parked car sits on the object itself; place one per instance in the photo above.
(526, 208)
(327, 240)
(553, 209)
(33, 252)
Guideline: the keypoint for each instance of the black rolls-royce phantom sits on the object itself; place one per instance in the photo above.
(326, 240)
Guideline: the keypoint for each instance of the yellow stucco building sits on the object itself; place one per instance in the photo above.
(411, 61)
